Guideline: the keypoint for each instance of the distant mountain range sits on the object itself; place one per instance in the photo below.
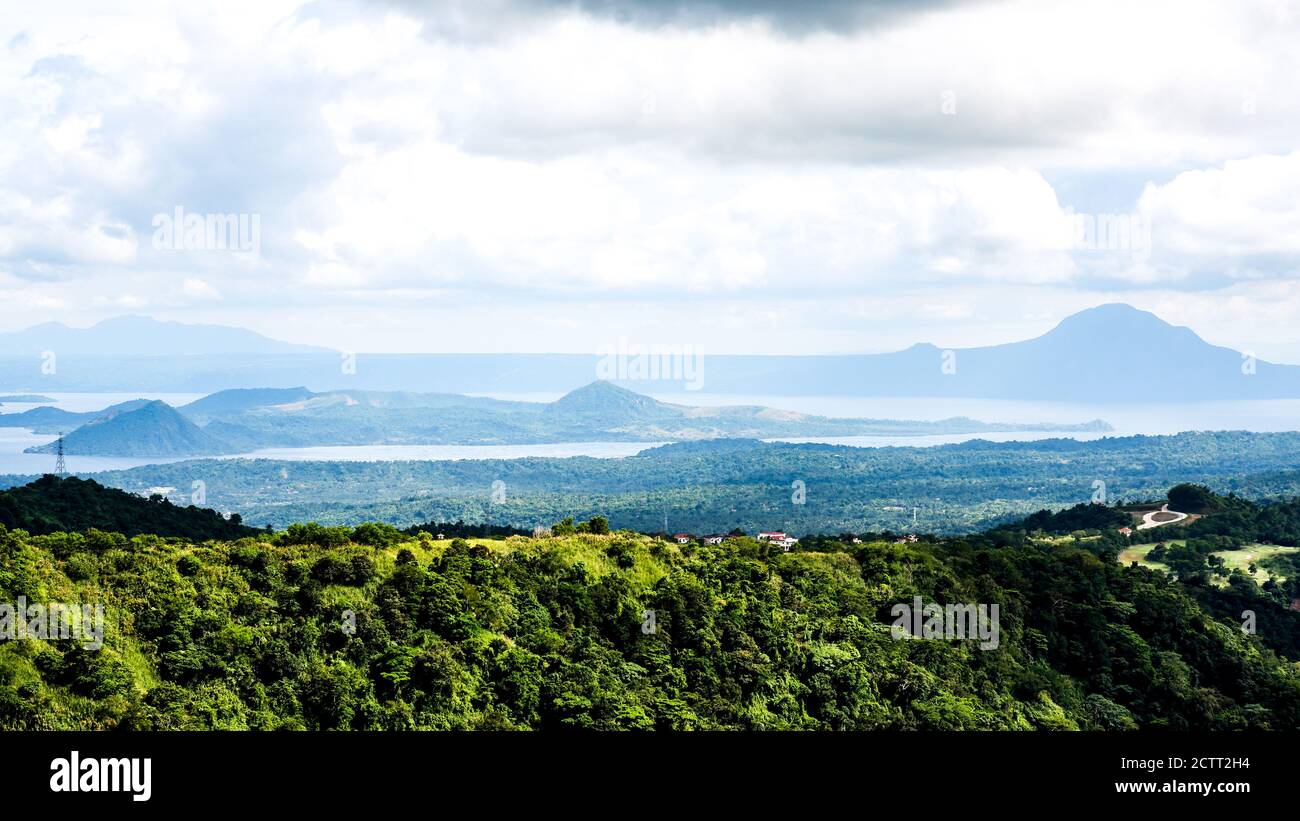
(24, 398)
(240, 421)
(599, 411)
(131, 336)
(1112, 353)
(46, 419)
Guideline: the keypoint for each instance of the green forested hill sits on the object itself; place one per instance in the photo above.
(52, 504)
(553, 632)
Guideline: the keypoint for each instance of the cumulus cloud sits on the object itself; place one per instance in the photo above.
(1238, 220)
(506, 157)
(796, 18)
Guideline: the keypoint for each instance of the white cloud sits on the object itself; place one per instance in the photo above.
(495, 164)
(1241, 218)
(196, 289)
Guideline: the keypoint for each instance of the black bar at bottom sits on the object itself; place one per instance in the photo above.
(234, 771)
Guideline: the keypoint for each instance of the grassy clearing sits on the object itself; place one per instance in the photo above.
(1067, 539)
(1233, 559)
(1254, 554)
(1138, 553)
(142, 671)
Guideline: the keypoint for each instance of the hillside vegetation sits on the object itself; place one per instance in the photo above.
(51, 504)
(368, 628)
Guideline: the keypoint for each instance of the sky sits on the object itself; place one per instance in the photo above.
(745, 176)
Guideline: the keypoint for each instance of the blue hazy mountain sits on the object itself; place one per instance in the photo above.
(253, 419)
(47, 419)
(603, 401)
(238, 400)
(24, 398)
(1111, 353)
(244, 420)
(141, 336)
(154, 429)
(1117, 351)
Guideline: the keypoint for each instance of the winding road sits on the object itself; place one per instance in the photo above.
(1148, 519)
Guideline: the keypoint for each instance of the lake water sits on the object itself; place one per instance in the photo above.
(452, 453)
(1263, 415)
(937, 439)
(13, 441)
(1128, 419)
(14, 461)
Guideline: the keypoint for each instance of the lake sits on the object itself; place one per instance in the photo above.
(14, 440)
(1262, 415)
(1128, 419)
(450, 453)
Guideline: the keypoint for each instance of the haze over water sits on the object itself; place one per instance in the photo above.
(1127, 419)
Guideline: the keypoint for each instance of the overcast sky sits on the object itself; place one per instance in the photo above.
(525, 175)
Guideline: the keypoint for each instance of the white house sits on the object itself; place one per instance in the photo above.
(779, 538)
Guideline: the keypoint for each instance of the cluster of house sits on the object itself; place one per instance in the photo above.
(687, 538)
(779, 539)
(775, 537)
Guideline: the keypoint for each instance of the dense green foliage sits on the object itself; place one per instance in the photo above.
(459, 529)
(52, 504)
(1194, 552)
(1090, 516)
(1245, 521)
(1191, 498)
(553, 632)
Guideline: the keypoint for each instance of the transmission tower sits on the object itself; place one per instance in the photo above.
(60, 467)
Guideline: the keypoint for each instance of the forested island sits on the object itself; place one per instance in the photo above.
(245, 420)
